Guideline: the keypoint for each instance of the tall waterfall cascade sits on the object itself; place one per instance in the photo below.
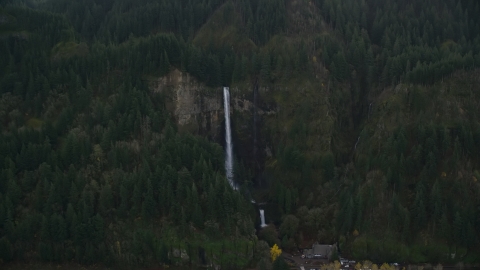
(255, 124)
(262, 218)
(229, 148)
(228, 139)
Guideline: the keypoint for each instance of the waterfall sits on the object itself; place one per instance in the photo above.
(262, 218)
(228, 139)
(228, 146)
(255, 89)
(357, 143)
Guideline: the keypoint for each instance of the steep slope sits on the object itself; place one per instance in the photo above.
(92, 168)
(416, 173)
(356, 121)
(338, 126)
(224, 29)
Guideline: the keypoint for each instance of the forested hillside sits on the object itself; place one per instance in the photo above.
(375, 145)
(92, 167)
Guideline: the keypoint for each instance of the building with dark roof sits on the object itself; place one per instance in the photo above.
(320, 251)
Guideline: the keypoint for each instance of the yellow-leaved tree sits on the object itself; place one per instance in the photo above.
(275, 252)
(386, 266)
(332, 266)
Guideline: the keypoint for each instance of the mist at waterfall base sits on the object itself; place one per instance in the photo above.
(229, 149)
(262, 218)
(267, 214)
(268, 211)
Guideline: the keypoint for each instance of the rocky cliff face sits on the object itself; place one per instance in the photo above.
(197, 109)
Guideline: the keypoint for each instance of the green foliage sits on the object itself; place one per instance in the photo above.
(289, 226)
(6, 250)
(92, 165)
(387, 249)
(328, 166)
(280, 264)
(269, 235)
(95, 172)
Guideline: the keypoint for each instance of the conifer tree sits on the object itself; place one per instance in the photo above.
(106, 199)
(148, 206)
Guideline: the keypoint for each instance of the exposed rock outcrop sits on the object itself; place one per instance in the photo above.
(197, 109)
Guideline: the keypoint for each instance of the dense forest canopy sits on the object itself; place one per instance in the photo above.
(93, 168)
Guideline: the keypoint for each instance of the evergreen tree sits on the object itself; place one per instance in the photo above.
(106, 200)
(149, 205)
(6, 250)
(459, 229)
(280, 264)
(328, 165)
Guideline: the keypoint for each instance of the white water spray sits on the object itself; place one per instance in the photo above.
(228, 138)
(228, 147)
(262, 218)
(356, 143)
